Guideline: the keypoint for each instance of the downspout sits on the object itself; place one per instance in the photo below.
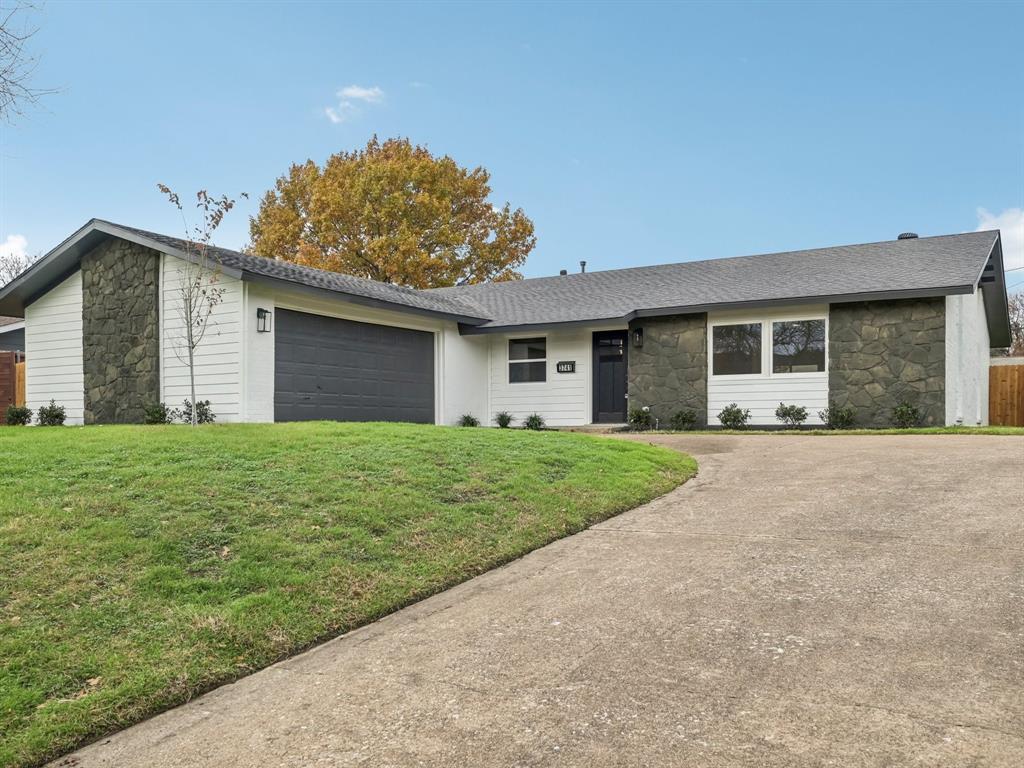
(960, 360)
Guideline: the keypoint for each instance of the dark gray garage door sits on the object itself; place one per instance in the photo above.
(341, 370)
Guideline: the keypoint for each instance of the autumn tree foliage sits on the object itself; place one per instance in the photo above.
(393, 212)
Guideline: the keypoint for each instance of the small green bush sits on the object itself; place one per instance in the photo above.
(534, 421)
(469, 420)
(158, 413)
(836, 417)
(51, 415)
(734, 417)
(204, 414)
(905, 415)
(683, 420)
(503, 419)
(791, 415)
(17, 416)
(640, 419)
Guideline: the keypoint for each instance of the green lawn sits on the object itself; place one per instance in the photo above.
(892, 431)
(140, 566)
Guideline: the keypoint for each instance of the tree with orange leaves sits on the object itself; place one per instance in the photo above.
(393, 212)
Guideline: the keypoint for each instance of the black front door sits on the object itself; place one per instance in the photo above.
(610, 352)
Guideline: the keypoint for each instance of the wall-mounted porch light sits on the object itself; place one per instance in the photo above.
(263, 319)
(638, 337)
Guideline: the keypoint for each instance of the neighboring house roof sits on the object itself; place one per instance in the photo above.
(927, 266)
(893, 269)
(5, 321)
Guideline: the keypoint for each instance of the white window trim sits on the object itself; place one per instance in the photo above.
(510, 362)
(767, 322)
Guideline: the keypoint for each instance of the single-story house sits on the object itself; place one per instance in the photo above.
(865, 326)
(12, 334)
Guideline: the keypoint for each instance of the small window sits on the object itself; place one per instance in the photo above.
(736, 349)
(798, 346)
(527, 360)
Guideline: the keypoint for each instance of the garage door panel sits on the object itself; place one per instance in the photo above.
(342, 370)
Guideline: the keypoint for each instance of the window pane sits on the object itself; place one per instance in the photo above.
(798, 346)
(519, 373)
(737, 349)
(527, 349)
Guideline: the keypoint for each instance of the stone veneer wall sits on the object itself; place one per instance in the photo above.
(120, 332)
(669, 372)
(882, 352)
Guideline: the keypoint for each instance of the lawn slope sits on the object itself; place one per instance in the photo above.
(140, 566)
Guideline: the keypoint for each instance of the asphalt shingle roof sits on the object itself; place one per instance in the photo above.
(10, 320)
(919, 264)
(318, 278)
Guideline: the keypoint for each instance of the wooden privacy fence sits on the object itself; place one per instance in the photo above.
(19, 383)
(1006, 395)
(12, 391)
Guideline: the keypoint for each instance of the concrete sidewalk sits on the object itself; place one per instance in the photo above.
(806, 601)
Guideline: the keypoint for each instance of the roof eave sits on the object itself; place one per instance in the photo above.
(691, 309)
(354, 298)
(997, 312)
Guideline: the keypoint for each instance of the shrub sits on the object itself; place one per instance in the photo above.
(204, 415)
(469, 420)
(503, 419)
(51, 415)
(683, 420)
(640, 419)
(836, 417)
(534, 421)
(733, 417)
(158, 413)
(905, 415)
(17, 416)
(791, 415)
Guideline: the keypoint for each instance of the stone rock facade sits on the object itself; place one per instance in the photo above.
(120, 332)
(669, 373)
(882, 352)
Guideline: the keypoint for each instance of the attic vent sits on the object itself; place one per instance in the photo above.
(907, 236)
(563, 271)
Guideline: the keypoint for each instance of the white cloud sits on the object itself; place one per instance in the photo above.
(15, 246)
(372, 95)
(347, 107)
(1011, 224)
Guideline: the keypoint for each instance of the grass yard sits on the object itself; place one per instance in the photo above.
(890, 431)
(140, 566)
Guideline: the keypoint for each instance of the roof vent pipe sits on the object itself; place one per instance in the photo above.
(563, 271)
(583, 266)
(907, 236)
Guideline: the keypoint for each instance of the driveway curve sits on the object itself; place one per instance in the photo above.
(805, 601)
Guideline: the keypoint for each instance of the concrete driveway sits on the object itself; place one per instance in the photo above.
(806, 601)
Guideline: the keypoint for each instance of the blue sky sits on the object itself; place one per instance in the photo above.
(630, 134)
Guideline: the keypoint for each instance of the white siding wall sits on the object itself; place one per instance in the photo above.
(762, 393)
(53, 347)
(465, 376)
(257, 356)
(564, 400)
(218, 358)
(967, 360)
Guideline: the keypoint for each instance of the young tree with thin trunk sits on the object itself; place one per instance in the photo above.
(198, 291)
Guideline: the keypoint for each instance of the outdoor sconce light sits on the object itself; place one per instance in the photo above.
(638, 337)
(263, 320)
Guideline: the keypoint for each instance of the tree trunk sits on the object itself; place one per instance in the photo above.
(192, 376)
